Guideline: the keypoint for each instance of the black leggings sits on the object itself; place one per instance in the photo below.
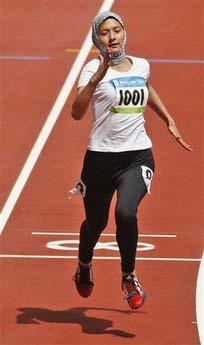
(102, 175)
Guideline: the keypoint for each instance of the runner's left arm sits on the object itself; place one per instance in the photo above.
(157, 105)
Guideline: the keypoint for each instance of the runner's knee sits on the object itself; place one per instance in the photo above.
(97, 225)
(125, 217)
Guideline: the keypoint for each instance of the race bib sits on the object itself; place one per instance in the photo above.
(131, 95)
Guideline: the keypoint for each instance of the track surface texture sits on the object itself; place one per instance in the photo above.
(38, 243)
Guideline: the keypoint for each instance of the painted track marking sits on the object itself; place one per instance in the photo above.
(24, 58)
(49, 124)
(200, 301)
(157, 60)
(76, 50)
(108, 235)
(21, 256)
(113, 246)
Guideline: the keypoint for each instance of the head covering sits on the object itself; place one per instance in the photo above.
(118, 57)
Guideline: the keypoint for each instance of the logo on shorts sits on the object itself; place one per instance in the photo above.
(147, 175)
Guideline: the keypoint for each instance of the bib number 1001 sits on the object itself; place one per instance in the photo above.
(136, 97)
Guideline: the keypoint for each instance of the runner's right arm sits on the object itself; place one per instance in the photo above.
(85, 93)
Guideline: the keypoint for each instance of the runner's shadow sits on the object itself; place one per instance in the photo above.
(89, 324)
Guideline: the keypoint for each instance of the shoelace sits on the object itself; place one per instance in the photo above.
(134, 285)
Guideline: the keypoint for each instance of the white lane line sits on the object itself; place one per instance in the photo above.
(21, 256)
(105, 235)
(200, 301)
(48, 125)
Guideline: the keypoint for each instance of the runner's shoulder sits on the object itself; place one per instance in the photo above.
(139, 60)
(92, 65)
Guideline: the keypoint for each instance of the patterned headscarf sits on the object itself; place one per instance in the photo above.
(118, 57)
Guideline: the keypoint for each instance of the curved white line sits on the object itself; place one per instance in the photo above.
(200, 301)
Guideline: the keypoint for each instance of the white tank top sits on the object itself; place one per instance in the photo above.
(118, 106)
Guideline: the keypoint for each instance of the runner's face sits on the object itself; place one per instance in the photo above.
(111, 35)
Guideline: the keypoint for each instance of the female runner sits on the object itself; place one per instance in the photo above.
(119, 156)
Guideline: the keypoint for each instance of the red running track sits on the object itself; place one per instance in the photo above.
(39, 305)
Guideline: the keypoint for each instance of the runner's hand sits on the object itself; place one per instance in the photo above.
(102, 69)
(174, 131)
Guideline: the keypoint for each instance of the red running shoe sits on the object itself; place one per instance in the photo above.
(135, 295)
(83, 279)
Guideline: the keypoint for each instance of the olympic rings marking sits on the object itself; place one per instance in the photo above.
(66, 245)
